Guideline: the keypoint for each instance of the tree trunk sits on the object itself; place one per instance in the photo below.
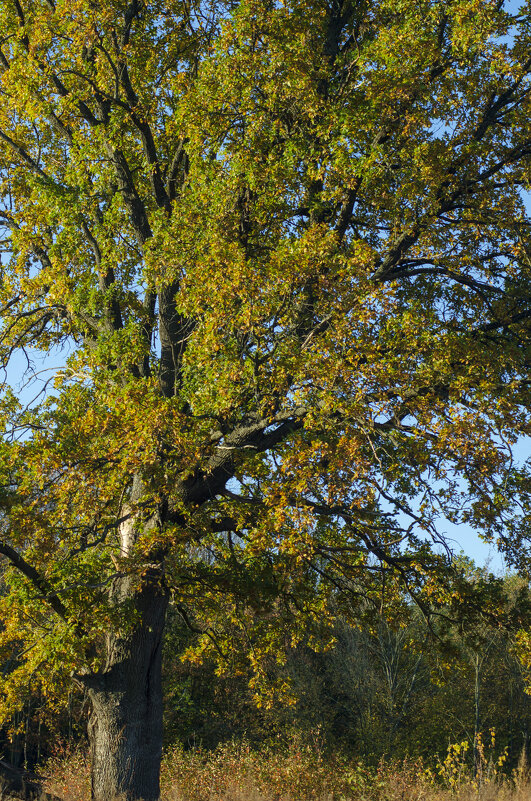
(125, 727)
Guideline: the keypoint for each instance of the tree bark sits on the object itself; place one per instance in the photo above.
(125, 727)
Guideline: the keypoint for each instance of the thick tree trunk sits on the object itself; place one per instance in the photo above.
(125, 728)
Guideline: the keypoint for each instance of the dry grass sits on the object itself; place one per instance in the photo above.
(300, 772)
(68, 775)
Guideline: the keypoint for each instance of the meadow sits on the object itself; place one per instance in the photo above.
(299, 770)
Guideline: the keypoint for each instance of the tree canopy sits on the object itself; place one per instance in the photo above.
(280, 252)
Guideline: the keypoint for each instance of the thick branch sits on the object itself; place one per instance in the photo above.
(209, 481)
(38, 581)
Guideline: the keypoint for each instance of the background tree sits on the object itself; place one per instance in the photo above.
(281, 252)
(389, 690)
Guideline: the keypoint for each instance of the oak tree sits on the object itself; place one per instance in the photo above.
(275, 258)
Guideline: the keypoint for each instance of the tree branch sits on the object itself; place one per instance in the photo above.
(38, 581)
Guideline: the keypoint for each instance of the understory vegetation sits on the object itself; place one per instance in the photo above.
(298, 770)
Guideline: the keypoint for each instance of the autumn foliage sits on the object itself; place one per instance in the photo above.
(275, 257)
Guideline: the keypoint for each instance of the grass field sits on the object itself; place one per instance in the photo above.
(299, 771)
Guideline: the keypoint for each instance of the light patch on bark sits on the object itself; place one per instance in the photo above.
(127, 532)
